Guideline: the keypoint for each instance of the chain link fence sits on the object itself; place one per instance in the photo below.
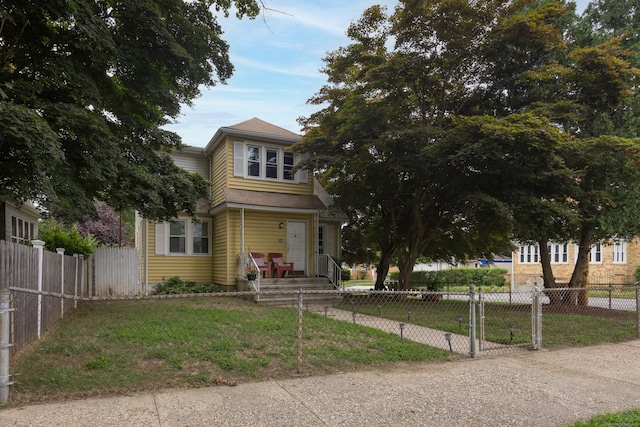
(305, 331)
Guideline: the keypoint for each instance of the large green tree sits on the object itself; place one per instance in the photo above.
(85, 88)
(464, 121)
(378, 137)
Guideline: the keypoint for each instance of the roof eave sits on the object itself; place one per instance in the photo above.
(218, 137)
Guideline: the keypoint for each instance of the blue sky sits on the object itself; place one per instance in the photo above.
(277, 62)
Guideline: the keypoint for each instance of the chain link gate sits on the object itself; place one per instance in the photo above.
(505, 319)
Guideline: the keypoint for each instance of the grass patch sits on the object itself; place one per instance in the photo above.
(119, 347)
(560, 325)
(626, 418)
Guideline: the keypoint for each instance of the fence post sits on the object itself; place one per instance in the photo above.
(481, 320)
(536, 319)
(83, 274)
(60, 251)
(472, 321)
(5, 301)
(39, 245)
(638, 310)
(299, 361)
(75, 284)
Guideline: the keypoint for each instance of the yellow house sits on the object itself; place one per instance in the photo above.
(258, 204)
(612, 262)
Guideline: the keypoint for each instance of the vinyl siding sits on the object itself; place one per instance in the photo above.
(198, 268)
(261, 234)
(220, 254)
(259, 184)
(192, 162)
(218, 174)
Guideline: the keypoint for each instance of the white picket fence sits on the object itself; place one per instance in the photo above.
(115, 273)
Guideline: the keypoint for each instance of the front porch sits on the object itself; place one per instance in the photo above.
(281, 291)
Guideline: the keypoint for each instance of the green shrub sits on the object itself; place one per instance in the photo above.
(176, 286)
(637, 273)
(56, 235)
(345, 274)
(437, 280)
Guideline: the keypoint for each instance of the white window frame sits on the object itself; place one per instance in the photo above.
(241, 163)
(22, 230)
(205, 237)
(595, 253)
(620, 252)
(559, 253)
(181, 236)
(163, 238)
(528, 254)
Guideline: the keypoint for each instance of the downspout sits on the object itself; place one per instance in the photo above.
(316, 247)
(242, 232)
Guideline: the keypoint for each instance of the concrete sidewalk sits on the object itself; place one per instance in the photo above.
(420, 334)
(535, 388)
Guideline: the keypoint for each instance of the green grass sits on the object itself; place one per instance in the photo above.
(121, 347)
(130, 346)
(626, 418)
(616, 291)
(584, 326)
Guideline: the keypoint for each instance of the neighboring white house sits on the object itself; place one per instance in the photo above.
(19, 224)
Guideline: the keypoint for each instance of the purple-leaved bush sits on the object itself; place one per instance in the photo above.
(106, 227)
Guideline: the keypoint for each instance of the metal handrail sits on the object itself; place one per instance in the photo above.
(333, 271)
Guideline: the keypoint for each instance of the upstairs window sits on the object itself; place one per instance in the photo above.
(288, 166)
(253, 161)
(272, 163)
(266, 162)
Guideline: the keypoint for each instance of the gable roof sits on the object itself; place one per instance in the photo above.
(256, 125)
(255, 129)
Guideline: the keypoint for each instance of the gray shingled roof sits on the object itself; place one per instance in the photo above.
(276, 200)
(256, 125)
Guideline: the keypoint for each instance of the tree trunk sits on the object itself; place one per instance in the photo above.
(581, 270)
(583, 295)
(405, 265)
(545, 260)
(549, 281)
(383, 267)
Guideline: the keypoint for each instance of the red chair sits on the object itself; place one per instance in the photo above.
(262, 265)
(280, 266)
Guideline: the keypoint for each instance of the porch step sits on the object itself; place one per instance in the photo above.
(271, 295)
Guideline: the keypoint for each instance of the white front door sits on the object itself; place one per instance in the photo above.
(297, 244)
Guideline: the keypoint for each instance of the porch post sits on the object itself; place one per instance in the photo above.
(316, 247)
(242, 232)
